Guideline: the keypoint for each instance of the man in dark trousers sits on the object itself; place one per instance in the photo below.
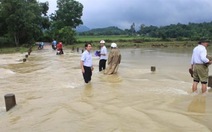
(86, 63)
(103, 56)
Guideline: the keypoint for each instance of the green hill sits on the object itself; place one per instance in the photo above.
(104, 31)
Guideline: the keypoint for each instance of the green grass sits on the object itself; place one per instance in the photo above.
(13, 50)
(132, 40)
(113, 38)
(124, 41)
(98, 38)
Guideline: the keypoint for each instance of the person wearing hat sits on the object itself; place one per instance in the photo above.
(103, 56)
(199, 66)
(114, 59)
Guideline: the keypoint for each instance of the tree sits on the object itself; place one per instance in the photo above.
(132, 29)
(141, 29)
(69, 13)
(44, 8)
(67, 16)
(23, 19)
(67, 35)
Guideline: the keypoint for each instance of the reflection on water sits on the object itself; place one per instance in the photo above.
(198, 104)
(87, 91)
(114, 78)
(52, 96)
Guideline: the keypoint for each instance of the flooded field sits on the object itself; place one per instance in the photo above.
(51, 95)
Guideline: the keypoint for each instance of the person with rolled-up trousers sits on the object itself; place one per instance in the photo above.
(199, 66)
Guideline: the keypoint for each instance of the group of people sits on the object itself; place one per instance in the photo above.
(58, 47)
(199, 66)
(113, 60)
(198, 70)
(55, 46)
(199, 61)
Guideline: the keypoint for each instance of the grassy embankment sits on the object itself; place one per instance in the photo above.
(132, 41)
(13, 50)
(121, 40)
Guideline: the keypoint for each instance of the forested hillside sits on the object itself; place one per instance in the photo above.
(191, 31)
(104, 31)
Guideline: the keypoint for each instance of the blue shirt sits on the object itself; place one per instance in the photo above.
(86, 58)
(54, 42)
(42, 43)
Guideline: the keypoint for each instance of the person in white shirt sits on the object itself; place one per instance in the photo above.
(103, 56)
(86, 63)
(199, 66)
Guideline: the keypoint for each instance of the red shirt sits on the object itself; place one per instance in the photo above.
(59, 46)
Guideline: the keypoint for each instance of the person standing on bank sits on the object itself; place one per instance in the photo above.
(114, 59)
(86, 63)
(103, 56)
(199, 66)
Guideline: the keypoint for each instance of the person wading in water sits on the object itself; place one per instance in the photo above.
(199, 66)
(114, 59)
(86, 63)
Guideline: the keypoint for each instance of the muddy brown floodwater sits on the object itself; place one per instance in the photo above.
(51, 95)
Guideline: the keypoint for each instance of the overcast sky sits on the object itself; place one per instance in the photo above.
(122, 13)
